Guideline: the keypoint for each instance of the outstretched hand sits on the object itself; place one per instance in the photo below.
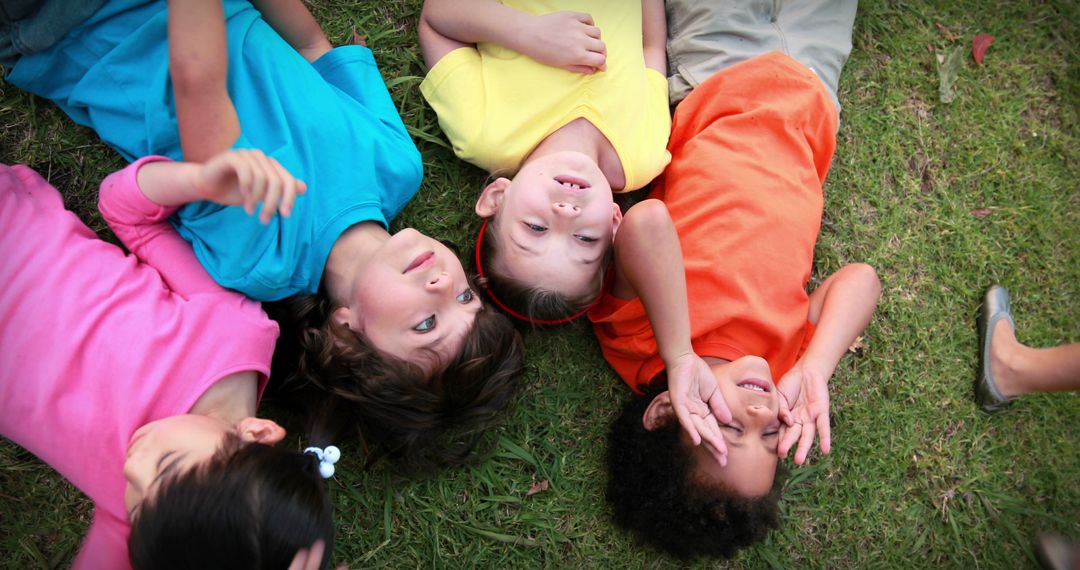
(804, 409)
(698, 403)
(568, 40)
(247, 177)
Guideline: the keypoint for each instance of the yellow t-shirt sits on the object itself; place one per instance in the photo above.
(495, 105)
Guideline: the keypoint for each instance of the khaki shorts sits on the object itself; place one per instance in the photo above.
(705, 36)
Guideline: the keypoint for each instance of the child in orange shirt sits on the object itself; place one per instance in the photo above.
(725, 338)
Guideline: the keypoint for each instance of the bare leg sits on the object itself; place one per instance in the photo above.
(1020, 369)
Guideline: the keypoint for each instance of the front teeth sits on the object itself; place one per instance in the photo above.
(571, 185)
(753, 387)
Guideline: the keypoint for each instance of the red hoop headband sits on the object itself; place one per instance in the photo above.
(491, 294)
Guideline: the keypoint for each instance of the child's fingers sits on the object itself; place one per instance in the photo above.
(686, 420)
(274, 188)
(719, 407)
(712, 439)
(791, 435)
(309, 559)
(824, 433)
(580, 69)
(256, 186)
(583, 18)
(806, 441)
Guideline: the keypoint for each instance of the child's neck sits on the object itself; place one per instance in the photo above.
(582, 136)
(349, 256)
(232, 398)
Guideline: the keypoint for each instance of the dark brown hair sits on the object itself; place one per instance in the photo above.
(249, 506)
(418, 420)
(534, 302)
(654, 493)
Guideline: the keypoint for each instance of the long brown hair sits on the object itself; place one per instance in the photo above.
(418, 420)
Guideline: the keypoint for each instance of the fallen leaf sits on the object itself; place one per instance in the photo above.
(979, 45)
(948, 69)
(980, 212)
(945, 32)
(357, 39)
(856, 345)
(537, 488)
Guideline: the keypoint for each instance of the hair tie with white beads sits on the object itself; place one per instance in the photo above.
(327, 458)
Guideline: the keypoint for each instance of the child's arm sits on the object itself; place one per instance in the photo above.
(561, 39)
(234, 178)
(654, 35)
(649, 265)
(841, 308)
(198, 68)
(137, 202)
(292, 20)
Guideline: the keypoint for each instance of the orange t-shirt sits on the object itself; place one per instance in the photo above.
(750, 150)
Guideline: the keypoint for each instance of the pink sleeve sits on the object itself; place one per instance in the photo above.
(105, 545)
(144, 229)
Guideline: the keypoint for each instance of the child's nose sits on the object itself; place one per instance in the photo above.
(565, 209)
(439, 281)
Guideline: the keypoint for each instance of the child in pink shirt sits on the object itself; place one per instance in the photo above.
(136, 376)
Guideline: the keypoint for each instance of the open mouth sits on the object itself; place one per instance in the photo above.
(572, 183)
(423, 260)
(756, 385)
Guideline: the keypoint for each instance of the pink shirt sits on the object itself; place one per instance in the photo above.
(95, 343)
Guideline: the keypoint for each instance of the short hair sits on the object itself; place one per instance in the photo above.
(654, 493)
(534, 302)
(419, 420)
(249, 506)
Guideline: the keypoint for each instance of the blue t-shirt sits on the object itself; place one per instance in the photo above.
(330, 123)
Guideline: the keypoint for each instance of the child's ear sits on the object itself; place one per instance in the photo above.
(659, 412)
(343, 316)
(260, 430)
(616, 219)
(491, 198)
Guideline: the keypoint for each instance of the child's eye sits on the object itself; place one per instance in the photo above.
(732, 427)
(425, 325)
(466, 297)
(587, 239)
(535, 227)
(770, 434)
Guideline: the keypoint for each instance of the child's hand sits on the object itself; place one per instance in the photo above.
(567, 40)
(247, 177)
(698, 403)
(804, 409)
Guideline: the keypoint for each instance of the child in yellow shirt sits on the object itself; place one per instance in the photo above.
(573, 106)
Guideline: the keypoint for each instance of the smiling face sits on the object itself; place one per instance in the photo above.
(176, 444)
(753, 434)
(412, 301)
(555, 222)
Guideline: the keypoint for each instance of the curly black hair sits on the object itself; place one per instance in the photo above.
(655, 495)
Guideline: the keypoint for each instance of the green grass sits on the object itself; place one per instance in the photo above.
(918, 476)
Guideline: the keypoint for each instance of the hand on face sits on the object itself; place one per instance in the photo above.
(804, 411)
(567, 40)
(698, 403)
(247, 177)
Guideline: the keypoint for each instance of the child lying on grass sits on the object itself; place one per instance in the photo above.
(140, 380)
(742, 197)
(395, 343)
(566, 98)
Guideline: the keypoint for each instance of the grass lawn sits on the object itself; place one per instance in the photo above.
(943, 199)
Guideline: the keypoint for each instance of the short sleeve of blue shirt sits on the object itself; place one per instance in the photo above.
(330, 123)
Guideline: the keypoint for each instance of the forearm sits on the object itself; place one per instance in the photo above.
(170, 184)
(473, 21)
(847, 301)
(654, 35)
(649, 258)
(198, 69)
(292, 20)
